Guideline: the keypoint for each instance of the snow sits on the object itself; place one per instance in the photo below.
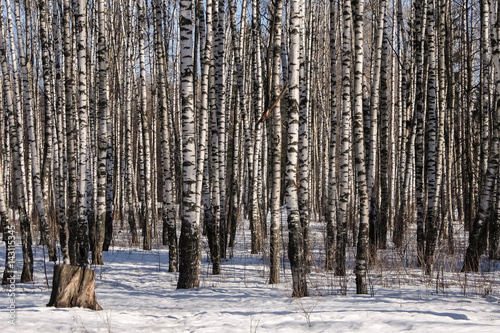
(138, 294)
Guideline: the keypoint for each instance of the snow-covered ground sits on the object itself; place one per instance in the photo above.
(139, 295)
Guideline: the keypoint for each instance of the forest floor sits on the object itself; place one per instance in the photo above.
(138, 294)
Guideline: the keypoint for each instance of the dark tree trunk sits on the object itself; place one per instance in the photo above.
(73, 286)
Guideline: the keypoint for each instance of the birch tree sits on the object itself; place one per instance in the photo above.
(419, 140)
(296, 251)
(6, 226)
(375, 107)
(169, 227)
(81, 44)
(475, 248)
(15, 136)
(146, 214)
(275, 237)
(345, 145)
(332, 182)
(255, 222)
(362, 246)
(102, 58)
(189, 246)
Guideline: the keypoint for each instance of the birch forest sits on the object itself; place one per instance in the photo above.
(375, 123)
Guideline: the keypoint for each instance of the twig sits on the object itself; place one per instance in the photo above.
(267, 113)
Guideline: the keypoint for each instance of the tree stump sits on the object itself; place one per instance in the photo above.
(73, 286)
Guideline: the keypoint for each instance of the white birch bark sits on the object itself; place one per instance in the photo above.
(296, 252)
(332, 153)
(304, 159)
(71, 134)
(257, 91)
(275, 237)
(8, 237)
(238, 41)
(147, 214)
(474, 249)
(345, 143)
(361, 269)
(81, 43)
(190, 257)
(375, 107)
(16, 135)
(169, 223)
(102, 58)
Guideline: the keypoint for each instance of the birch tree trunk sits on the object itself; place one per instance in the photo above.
(81, 42)
(332, 182)
(8, 235)
(361, 269)
(169, 225)
(238, 41)
(102, 58)
(275, 237)
(130, 178)
(373, 140)
(205, 57)
(190, 257)
(419, 142)
(382, 223)
(49, 128)
(255, 220)
(16, 135)
(484, 82)
(220, 73)
(344, 190)
(71, 133)
(60, 163)
(475, 248)
(296, 251)
(304, 147)
(213, 225)
(147, 214)
(433, 168)
(16, 95)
